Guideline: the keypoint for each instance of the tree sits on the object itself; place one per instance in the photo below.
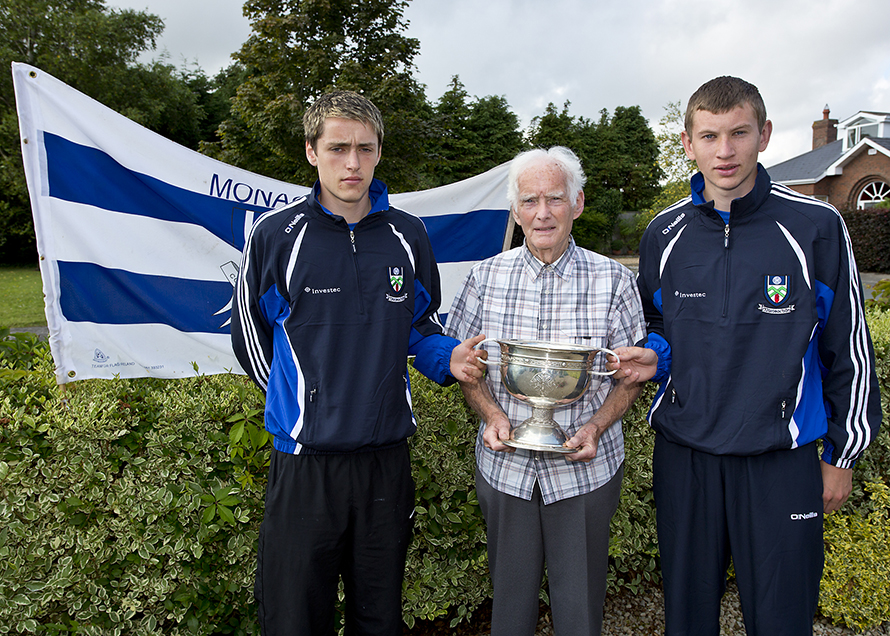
(93, 49)
(631, 167)
(619, 156)
(495, 130)
(300, 49)
(619, 153)
(454, 151)
(672, 158)
(675, 165)
(471, 137)
(555, 128)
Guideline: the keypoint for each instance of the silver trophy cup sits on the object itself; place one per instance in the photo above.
(546, 375)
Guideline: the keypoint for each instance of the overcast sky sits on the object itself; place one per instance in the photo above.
(801, 54)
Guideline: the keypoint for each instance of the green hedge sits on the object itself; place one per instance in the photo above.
(133, 506)
(119, 508)
(870, 235)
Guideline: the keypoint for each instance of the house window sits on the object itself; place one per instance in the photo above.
(872, 194)
(855, 135)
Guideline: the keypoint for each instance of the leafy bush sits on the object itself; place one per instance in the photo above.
(633, 545)
(119, 512)
(880, 295)
(133, 506)
(870, 235)
(447, 570)
(855, 588)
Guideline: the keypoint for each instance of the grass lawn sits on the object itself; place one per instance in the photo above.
(21, 297)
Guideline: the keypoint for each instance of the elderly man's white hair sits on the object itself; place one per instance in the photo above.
(560, 156)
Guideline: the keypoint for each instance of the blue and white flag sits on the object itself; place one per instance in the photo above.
(140, 238)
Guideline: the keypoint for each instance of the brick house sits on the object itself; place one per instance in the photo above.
(849, 165)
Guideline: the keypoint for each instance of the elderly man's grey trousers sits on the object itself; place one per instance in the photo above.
(570, 535)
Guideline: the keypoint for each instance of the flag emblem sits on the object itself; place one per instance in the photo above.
(776, 288)
(396, 279)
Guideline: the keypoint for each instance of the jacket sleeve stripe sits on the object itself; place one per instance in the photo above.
(667, 251)
(294, 254)
(259, 366)
(857, 421)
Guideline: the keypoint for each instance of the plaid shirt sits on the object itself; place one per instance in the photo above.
(584, 299)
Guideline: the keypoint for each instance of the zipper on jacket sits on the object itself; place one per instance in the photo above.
(358, 278)
(673, 395)
(312, 395)
(726, 268)
(786, 408)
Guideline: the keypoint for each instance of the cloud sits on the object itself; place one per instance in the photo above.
(800, 54)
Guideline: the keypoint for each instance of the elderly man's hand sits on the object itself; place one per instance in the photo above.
(586, 440)
(635, 364)
(467, 362)
(497, 431)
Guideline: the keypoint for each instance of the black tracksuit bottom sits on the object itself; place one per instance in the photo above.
(329, 516)
(765, 511)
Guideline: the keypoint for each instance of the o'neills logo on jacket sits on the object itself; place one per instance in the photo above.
(674, 223)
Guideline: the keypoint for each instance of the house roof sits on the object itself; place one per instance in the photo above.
(808, 167)
(830, 159)
(827, 161)
(863, 115)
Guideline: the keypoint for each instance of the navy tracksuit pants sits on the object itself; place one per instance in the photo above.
(765, 511)
(329, 516)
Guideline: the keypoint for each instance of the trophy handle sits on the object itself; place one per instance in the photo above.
(489, 362)
(604, 350)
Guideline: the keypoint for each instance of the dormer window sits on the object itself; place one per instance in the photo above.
(863, 125)
(855, 135)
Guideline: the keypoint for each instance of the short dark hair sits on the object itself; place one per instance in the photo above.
(343, 104)
(721, 95)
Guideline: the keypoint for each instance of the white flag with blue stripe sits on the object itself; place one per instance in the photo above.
(140, 238)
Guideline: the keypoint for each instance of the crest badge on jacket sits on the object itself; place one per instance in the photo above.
(776, 288)
(396, 278)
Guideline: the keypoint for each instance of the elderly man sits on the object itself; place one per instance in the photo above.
(547, 506)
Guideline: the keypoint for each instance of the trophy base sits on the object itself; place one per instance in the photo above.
(540, 435)
(541, 447)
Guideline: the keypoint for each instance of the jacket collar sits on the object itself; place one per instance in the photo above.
(741, 207)
(378, 192)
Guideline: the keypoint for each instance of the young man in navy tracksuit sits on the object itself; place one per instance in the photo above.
(757, 334)
(334, 293)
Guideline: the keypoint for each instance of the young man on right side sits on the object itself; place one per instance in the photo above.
(757, 334)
